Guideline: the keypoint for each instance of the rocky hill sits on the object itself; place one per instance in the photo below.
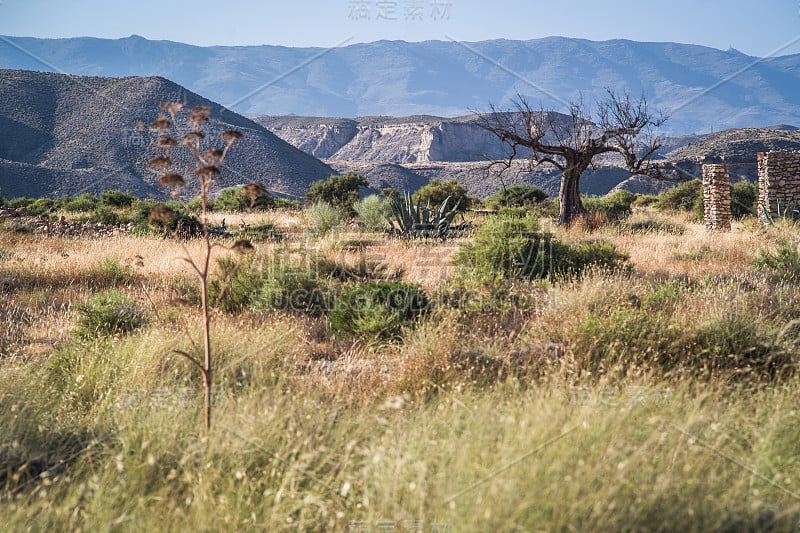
(415, 139)
(703, 89)
(69, 134)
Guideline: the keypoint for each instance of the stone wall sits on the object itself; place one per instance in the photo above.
(717, 197)
(778, 184)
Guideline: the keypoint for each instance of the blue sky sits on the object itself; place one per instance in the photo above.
(755, 28)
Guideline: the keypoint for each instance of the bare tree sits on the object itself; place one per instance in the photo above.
(620, 126)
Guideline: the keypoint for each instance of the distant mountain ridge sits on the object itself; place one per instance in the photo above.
(69, 134)
(704, 89)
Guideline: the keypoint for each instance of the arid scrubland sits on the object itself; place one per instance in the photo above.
(662, 395)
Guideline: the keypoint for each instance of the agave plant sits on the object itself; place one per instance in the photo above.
(790, 211)
(414, 221)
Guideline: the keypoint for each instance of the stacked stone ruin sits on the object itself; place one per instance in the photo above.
(717, 197)
(778, 185)
(778, 190)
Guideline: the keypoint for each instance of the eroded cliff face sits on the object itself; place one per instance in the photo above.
(428, 139)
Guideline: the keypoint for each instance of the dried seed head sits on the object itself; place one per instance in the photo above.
(162, 123)
(193, 137)
(159, 163)
(172, 179)
(161, 214)
(207, 171)
(167, 141)
(230, 136)
(213, 154)
(199, 114)
(243, 246)
(254, 190)
(172, 107)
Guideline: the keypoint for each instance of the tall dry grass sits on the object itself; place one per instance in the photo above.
(572, 405)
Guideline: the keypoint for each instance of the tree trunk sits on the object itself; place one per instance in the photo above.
(569, 196)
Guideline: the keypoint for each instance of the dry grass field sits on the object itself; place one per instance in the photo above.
(660, 396)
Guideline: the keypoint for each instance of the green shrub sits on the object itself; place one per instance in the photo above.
(784, 264)
(323, 217)
(254, 283)
(684, 197)
(512, 247)
(377, 310)
(245, 198)
(19, 201)
(338, 191)
(115, 198)
(40, 206)
(616, 206)
(81, 204)
(645, 200)
(373, 212)
(232, 199)
(518, 195)
(195, 205)
(292, 288)
(573, 260)
(235, 284)
(436, 192)
(109, 313)
(744, 197)
(144, 209)
(108, 215)
(509, 246)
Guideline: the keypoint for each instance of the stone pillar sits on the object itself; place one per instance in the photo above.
(717, 197)
(778, 185)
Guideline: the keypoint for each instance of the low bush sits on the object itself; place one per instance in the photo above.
(108, 216)
(377, 310)
(118, 199)
(784, 264)
(436, 192)
(568, 261)
(244, 198)
(110, 313)
(519, 195)
(81, 204)
(19, 201)
(645, 200)
(515, 248)
(338, 191)
(373, 212)
(323, 217)
(744, 196)
(615, 206)
(257, 283)
(41, 206)
(293, 289)
(684, 197)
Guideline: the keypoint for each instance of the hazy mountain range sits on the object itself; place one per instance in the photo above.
(703, 89)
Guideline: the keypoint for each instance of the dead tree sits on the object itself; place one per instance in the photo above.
(620, 126)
